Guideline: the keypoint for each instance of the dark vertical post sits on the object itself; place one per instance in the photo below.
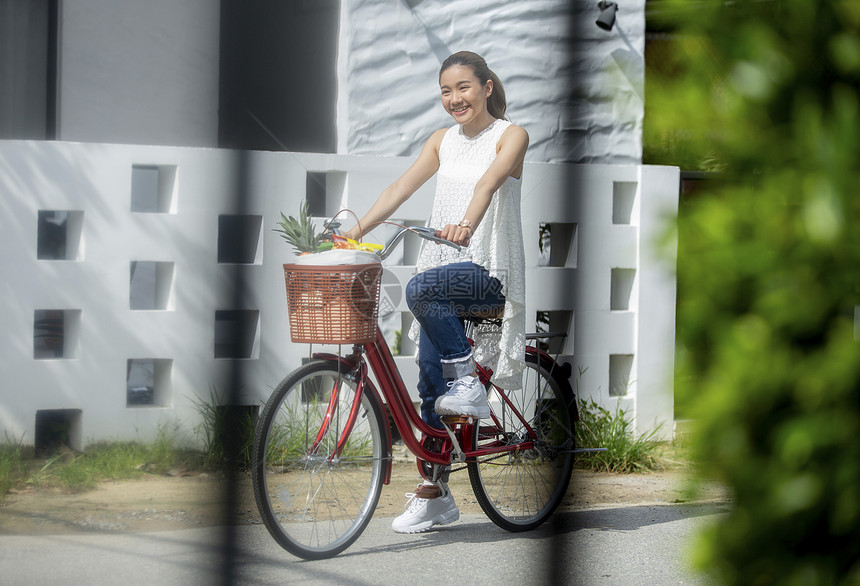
(230, 441)
(270, 52)
(52, 73)
(562, 523)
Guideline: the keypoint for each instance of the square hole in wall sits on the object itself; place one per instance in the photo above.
(557, 244)
(149, 382)
(236, 424)
(153, 189)
(620, 368)
(237, 333)
(621, 289)
(57, 428)
(59, 235)
(407, 346)
(556, 322)
(324, 191)
(151, 285)
(230, 422)
(314, 390)
(391, 295)
(623, 198)
(56, 333)
(405, 253)
(240, 239)
(395, 327)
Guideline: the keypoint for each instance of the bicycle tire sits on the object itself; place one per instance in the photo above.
(519, 490)
(315, 505)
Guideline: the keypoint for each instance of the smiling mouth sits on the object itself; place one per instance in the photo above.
(460, 110)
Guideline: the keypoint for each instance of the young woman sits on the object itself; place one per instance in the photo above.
(478, 163)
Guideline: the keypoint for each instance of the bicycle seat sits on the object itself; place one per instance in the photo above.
(486, 314)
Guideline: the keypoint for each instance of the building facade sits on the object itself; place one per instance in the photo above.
(143, 170)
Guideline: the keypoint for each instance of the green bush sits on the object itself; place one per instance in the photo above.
(220, 424)
(769, 364)
(625, 451)
(12, 469)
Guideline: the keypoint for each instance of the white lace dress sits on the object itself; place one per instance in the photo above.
(497, 243)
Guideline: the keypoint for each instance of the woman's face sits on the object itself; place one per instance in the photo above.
(464, 96)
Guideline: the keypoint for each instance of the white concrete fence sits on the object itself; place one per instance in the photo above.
(118, 264)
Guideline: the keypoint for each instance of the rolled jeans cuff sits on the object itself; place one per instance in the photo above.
(458, 367)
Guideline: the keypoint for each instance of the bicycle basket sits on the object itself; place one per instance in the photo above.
(333, 304)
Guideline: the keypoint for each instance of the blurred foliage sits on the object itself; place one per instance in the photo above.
(766, 93)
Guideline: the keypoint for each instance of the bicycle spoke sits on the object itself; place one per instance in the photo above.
(520, 488)
(314, 502)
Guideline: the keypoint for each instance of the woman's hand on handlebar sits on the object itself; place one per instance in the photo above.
(352, 233)
(457, 234)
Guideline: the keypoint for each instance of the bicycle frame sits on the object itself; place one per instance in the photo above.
(396, 396)
(323, 436)
(405, 417)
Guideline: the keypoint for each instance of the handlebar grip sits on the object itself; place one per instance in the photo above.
(430, 234)
(439, 240)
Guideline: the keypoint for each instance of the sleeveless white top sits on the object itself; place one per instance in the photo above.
(496, 245)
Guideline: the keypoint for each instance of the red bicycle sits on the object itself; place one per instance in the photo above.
(322, 446)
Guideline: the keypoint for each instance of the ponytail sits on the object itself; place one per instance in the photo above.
(496, 103)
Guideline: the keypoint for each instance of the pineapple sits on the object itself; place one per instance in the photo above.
(300, 233)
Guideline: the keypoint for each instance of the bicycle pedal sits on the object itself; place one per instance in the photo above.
(455, 419)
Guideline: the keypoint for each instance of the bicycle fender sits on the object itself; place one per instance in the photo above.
(344, 360)
(560, 373)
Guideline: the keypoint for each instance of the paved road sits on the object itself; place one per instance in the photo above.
(629, 545)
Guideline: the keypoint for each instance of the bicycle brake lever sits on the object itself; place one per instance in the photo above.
(333, 226)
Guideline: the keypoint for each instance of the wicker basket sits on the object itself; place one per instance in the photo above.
(333, 304)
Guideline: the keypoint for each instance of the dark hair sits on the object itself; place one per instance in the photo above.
(496, 103)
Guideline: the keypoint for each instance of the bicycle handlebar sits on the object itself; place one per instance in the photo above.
(333, 226)
(423, 231)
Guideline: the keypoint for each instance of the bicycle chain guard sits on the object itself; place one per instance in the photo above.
(429, 470)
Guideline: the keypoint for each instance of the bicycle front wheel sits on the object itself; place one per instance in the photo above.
(519, 489)
(316, 487)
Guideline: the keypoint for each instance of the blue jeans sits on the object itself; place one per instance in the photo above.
(439, 298)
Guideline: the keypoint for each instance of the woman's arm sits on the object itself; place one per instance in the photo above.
(509, 159)
(424, 167)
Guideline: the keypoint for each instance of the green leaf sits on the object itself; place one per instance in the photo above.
(299, 233)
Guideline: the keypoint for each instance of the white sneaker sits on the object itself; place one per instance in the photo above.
(466, 397)
(422, 514)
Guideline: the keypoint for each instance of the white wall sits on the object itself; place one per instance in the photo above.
(139, 72)
(95, 182)
(623, 290)
(576, 88)
(148, 73)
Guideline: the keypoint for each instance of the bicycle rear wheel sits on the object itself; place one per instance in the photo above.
(518, 490)
(314, 501)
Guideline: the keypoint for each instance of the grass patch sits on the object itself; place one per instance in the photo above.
(599, 427)
(220, 423)
(105, 461)
(12, 467)
(75, 472)
(674, 455)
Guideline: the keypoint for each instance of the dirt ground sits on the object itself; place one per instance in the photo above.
(156, 503)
